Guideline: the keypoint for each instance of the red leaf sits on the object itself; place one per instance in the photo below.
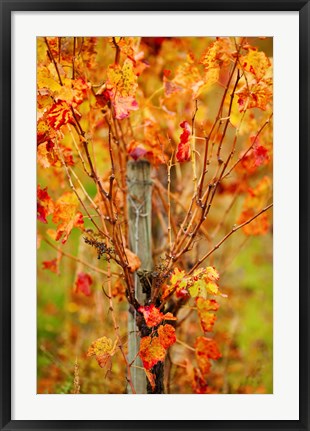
(261, 155)
(83, 283)
(137, 152)
(152, 315)
(79, 220)
(52, 265)
(184, 151)
(45, 205)
(146, 149)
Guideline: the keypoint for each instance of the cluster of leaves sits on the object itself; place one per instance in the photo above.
(153, 348)
(64, 212)
(199, 286)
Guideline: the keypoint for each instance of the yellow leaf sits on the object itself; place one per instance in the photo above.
(255, 62)
(44, 80)
(212, 288)
(177, 276)
(103, 349)
(122, 79)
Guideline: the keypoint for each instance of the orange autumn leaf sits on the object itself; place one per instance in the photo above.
(83, 283)
(45, 204)
(258, 195)
(183, 153)
(151, 351)
(134, 262)
(130, 46)
(48, 156)
(169, 316)
(206, 349)
(204, 307)
(65, 207)
(203, 362)
(258, 226)
(218, 54)
(166, 334)
(256, 199)
(119, 291)
(188, 77)
(73, 92)
(258, 95)
(43, 131)
(66, 216)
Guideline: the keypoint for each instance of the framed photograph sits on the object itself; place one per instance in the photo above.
(154, 215)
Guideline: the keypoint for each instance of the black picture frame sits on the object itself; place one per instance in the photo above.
(7, 7)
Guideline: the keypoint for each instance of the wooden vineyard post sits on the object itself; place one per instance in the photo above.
(140, 242)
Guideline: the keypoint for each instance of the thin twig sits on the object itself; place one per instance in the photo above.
(185, 345)
(234, 229)
(76, 259)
